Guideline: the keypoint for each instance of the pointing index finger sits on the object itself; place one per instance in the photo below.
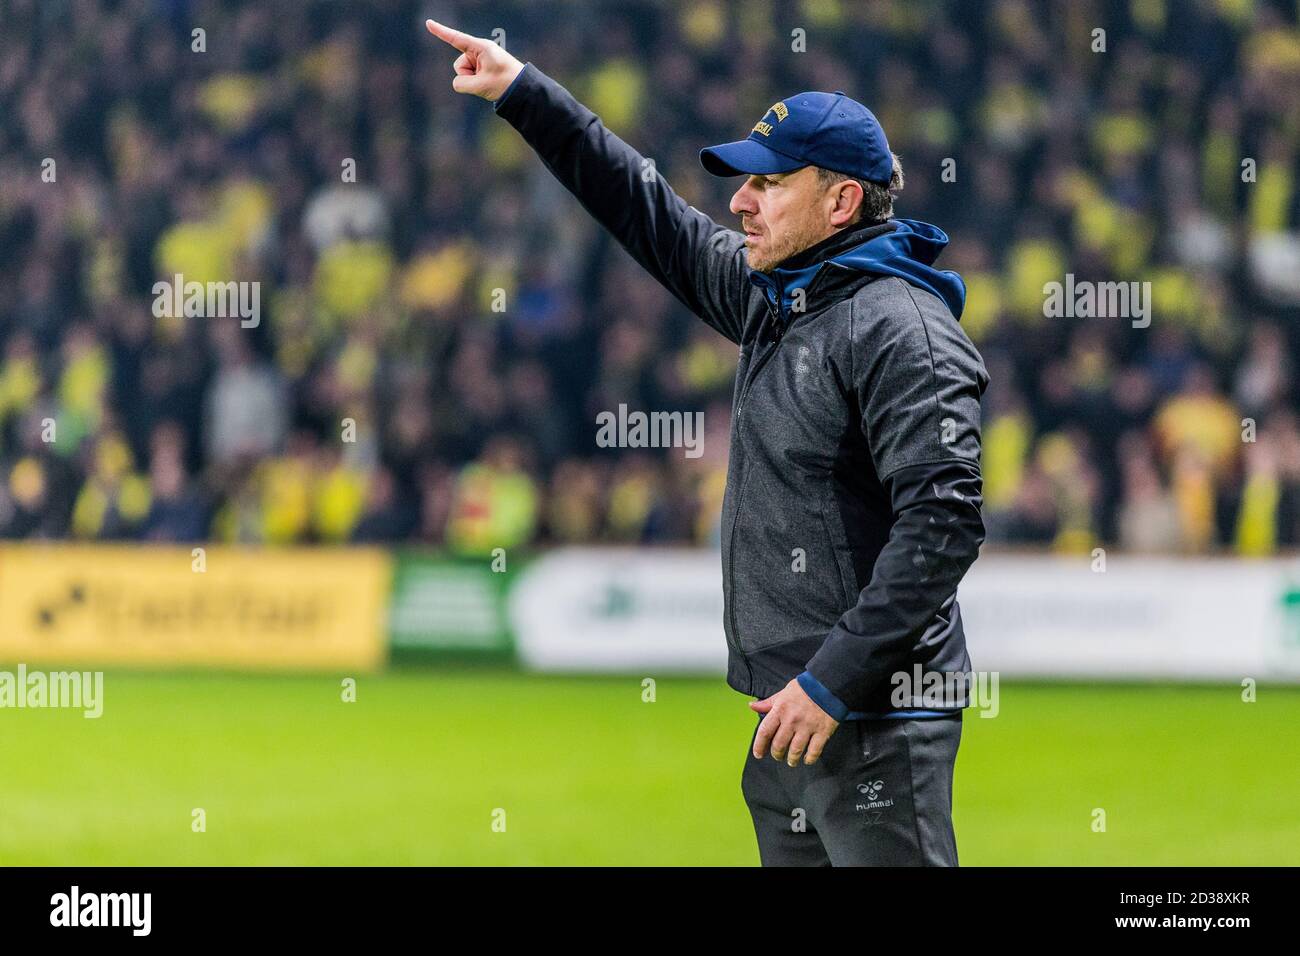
(461, 41)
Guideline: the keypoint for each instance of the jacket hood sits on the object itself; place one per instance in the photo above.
(906, 251)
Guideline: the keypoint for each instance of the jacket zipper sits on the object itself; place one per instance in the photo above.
(740, 404)
(752, 373)
(763, 359)
(780, 330)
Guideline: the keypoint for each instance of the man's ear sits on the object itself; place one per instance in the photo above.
(848, 200)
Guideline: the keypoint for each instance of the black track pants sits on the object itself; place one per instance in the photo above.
(881, 795)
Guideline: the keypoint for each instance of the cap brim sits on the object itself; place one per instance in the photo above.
(746, 158)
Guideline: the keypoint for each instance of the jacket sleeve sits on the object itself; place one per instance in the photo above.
(700, 262)
(918, 382)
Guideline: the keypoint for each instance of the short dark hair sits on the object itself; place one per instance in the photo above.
(877, 201)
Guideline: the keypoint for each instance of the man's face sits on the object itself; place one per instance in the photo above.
(781, 214)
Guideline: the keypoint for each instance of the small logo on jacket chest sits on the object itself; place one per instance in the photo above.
(802, 366)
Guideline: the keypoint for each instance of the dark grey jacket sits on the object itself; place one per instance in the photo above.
(853, 497)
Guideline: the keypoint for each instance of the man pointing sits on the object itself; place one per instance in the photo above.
(852, 507)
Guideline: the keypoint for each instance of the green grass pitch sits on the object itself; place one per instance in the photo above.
(588, 774)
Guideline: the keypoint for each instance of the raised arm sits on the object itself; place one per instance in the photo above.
(693, 257)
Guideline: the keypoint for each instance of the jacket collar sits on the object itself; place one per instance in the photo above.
(799, 271)
(834, 244)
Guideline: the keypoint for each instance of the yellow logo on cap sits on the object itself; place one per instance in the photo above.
(766, 128)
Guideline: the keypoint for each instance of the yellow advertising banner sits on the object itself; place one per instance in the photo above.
(245, 609)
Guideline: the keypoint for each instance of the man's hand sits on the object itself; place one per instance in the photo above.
(794, 724)
(483, 68)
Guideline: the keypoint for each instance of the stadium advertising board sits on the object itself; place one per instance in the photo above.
(442, 604)
(290, 609)
(1140, 618)
(620, 610)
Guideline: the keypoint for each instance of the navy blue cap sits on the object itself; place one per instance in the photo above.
(829, 130)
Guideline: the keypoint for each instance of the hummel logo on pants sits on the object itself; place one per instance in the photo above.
(881, 795)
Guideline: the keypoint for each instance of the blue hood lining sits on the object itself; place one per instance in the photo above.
(907, 252)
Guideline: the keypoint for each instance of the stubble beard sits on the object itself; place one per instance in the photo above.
(794, 240)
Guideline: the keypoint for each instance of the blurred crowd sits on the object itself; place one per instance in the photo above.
(441, 323)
